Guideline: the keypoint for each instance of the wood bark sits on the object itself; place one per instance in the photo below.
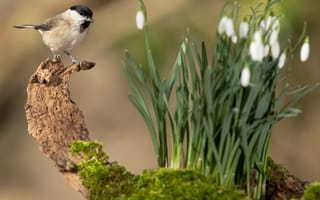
(54, 120)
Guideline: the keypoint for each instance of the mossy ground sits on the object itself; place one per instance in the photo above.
(182, 184)
(312, 192)
(107, 180)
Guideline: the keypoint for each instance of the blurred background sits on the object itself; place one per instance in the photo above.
(101, 93)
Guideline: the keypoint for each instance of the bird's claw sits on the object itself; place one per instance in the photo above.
(77, 62)
(57, 57)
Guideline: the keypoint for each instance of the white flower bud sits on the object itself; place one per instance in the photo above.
(256, 48)
(229, 27)
(234, 39)
(270, 24)
(226, 26)
(245, 77)
(275, 50)
(258, 36)
(305, 50)
(243, 29)
(263, 26)
(256, 51)
(275, 24)
(282, 60)
(222, 25)
(140, 19)
(273, 37)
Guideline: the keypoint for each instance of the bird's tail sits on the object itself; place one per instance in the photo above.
(26, 26)
(41, 27)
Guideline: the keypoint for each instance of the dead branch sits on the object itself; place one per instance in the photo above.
(54, 120)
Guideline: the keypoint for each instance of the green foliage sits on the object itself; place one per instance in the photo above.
(312, 192)
(104, 180)
(171, 184)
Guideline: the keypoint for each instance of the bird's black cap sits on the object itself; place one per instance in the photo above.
(82, 10)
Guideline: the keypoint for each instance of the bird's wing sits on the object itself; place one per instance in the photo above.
(48, 24)
(43, 27)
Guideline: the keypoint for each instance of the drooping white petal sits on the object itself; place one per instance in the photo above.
(222, 25)
(243, 29)
(257, 36)
(263, 26)
(256, 48)
(234, 39)
(245, 77)
(273, 37)
(256, 51)
(282, 60)
(275, 24)
(272, 23)
(305, 50)
(269, 21)
(229, 27)
(275, 50)
(140, 20)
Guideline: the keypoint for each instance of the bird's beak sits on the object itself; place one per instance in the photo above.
(91, 20)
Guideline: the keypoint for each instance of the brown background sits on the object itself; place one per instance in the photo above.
(102, 93)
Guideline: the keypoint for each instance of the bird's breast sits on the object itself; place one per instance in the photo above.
(61, 39)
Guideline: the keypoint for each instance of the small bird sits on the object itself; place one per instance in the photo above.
(64, 31)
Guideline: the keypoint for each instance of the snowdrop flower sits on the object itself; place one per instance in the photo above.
(243, 29)
(256, 51)
(275, 24)
(229, 27)
(263, 25)
(275, 50)
(245, 76)
(256, 48)
(226, 26)
(222, 25)
(140, 19)
(234, 39)
(273, 37)
(257, 36)
(271, 22)
(305, 50)
(282, 60)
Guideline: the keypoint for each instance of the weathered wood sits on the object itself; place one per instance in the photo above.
(54, 120)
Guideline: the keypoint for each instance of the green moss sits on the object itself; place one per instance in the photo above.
(273, 167)
(109, 181)
(181, 184)
(312, 192)
(89, 149)
(104, 180)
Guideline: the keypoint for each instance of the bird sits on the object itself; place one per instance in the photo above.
(64, 31)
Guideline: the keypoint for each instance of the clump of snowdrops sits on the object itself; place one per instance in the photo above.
(219, 120)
